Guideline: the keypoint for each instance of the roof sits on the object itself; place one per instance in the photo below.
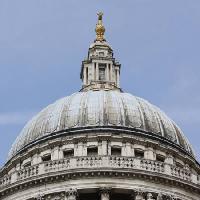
(100, 108)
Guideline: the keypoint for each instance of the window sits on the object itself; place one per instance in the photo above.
(178, 164)
(92, 151)
(28, 164)
(46, 157)
(102, 72)
(116, 151)
(160, 158)
(101, 54)
(139, 153)
(68, 153)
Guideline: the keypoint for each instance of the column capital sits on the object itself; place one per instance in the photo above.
(160, 196)
(149, 196)
(105, 190)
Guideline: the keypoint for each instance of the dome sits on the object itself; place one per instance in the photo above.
(100, 108)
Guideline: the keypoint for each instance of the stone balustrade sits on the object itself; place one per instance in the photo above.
(6, 180)
(28, 172)
(181, 173)
(96, 162)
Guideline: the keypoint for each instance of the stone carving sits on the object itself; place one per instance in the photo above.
(71, 194)
(150, 196)
(139, 195)
(105, 193)
(160, 196)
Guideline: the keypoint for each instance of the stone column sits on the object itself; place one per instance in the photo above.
(168, 162)
(93, 72)
(105, 193)
(85, 75)
(107, 72)
(150, 196)
(159, 197)
(71, 194)
(55, 153)
(139, 195)
(97, 71)
(40, 197)
(149, 154)
(111, 72)
(118, 78)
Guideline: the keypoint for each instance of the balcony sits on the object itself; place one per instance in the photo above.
(98, 163)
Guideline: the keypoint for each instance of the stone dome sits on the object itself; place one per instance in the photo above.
(100, 109)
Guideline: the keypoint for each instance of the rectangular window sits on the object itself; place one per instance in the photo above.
(160, 158)
(68, 153)
(116, 151)
(139, 153)
(102, 72)
(178, 164)
(28, 164)
(92, 151)
(46, 157)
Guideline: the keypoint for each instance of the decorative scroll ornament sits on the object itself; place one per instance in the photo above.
(100, 29)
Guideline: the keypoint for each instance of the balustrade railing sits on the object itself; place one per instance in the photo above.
(97, 162)
(6, 180)
(181, 173)
(151, 165)
(28, 172)
(56, 165)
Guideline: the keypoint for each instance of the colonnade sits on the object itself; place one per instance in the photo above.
(106, 194)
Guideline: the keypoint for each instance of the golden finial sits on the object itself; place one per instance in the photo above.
(100, 29)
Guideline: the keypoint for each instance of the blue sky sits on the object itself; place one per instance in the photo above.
(42, 44)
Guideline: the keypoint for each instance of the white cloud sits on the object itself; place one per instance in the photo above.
(15, 118)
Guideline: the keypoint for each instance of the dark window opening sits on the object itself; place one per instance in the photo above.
(28, 164)
(116, 151)
(92, 151)
(160, 158)
(89, 196)
(102, 72)
(68, 153)
(46, 157)
(139, 153)
(87, 75)
(178, 164)
(118, 196)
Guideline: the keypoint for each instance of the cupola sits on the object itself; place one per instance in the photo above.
(100, 70)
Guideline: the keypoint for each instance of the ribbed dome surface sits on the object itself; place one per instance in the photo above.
(100, 108)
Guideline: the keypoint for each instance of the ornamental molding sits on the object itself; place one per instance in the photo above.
(64, 176)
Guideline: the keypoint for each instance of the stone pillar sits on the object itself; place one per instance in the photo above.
(107, 72)
(149, 154)
(111, 72)
(36, 159)
(105, 193)
(93, 72)
(150, 196)
(194, 176)
(159, 197)
(103, 149)
(55, 153)
(81, 149)
(71, 194)
(168, 162)
(40, 197)
(84, 75)
(97, 71)
(139, 195)
(118, 82)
